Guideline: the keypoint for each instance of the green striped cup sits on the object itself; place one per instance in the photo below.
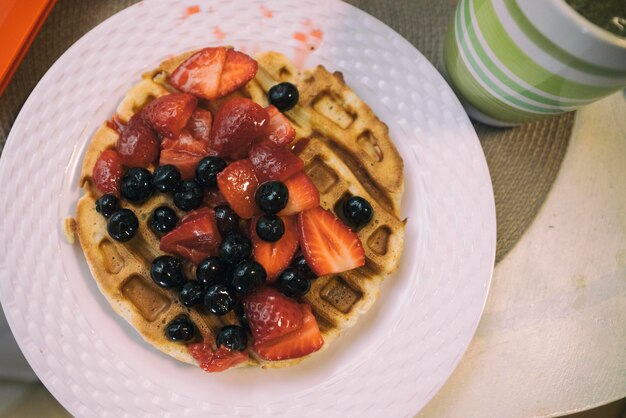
(516, 61)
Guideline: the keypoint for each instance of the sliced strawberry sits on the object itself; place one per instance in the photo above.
(195, 239)
(275, 256)
(271, 314)
(328, 245)
(213, 197)
(138, 145)
(238, 70)
(200, 73)
(107, 172)
(299, 343)
(213, 359)
(237, 125)
(187, 143)
(303, 194)
(199, 124)
(272, 162)
(237, 183)
(169, 114)
(280, 131)
(184, 161)
(197, 214)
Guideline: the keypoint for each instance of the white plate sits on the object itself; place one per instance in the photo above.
(400, 352)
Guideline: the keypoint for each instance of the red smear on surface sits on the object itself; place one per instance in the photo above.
(307, 43)
(191, 10)
(266, 12)
(218, 33)
(299, 36)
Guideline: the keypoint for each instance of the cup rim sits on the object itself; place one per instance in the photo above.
(589, 27)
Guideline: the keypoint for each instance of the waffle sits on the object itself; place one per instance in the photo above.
(346, 150)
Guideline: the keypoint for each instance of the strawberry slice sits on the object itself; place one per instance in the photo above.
(271, 314)
(187, 143)
(138, 145)
(169, 114)
(328, 245)
(197, 214)
(107, 172)
(303, 194)
(237, 183)
(275, 256)
(199, 124)
(280, 131)
(272, 162)
(213, 197)
(185, 152)
(213, 359)
(200, 73)
(237, 125)
(194, 239)
(239, 68)
(299, 343)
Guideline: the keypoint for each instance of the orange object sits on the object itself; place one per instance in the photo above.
(19, 23)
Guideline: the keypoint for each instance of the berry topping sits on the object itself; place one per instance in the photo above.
(299, 263)
(272, 162)
(188, 195)
(271, 314)
(237, 125)
(199, 124)
(163, 220)
(219, 300)
(232, 337)
(107, 172)
(303, 194)
(238, 70)
(106, 205)
(357, 211)
(213, 198)
(169, 114)
(122, 225)
(227, 220)
(167, 272)
(235, 248)
(185, 153)
(237, 183)
(136, 185)
(208, 169)
(181, 329)
(275, 256)
(194, 238)
(270, 228)
(200, 73)
(328, 245)
(292, 284)
(166, 178)
(197, 214)
(213, 270)
(138, 145)
(271, 196)
(280, 130)
(248, 277)
(192, 294)
(284, 96)
(211, 359)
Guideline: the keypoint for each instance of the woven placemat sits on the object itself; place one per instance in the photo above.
(523, 161)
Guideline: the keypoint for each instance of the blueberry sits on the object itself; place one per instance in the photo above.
(207, 170)
(302, 267)
(270, 228)
(122, 225)
(181, 329)
(248, 276)
(166, 178)
(188, 195)
(192, 294)
(136, 185)
(241, 315)
(163, 219)
(232, 337)
(357, 211)
(284, 96)
(293, 284)
(227, 220)
(106, 205)
(167, 272)
(235, 248)
(213, 270)
(219, 300)
(272, 196)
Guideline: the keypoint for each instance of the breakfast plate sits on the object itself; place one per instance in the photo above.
(396, 357)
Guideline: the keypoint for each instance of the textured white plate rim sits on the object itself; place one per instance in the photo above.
(488, 236)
